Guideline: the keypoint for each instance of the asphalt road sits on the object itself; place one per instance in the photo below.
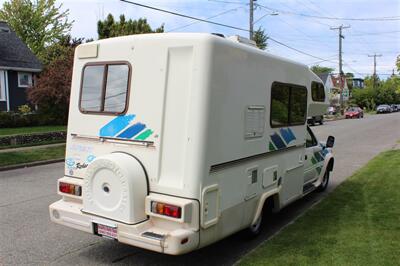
(28, 237)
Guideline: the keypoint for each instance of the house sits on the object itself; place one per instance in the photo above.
(335, 84)
(18, 66)
(358, 83)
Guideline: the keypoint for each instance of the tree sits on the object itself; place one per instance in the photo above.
(398, 63)
(38, 23)
(52, 88)
(260, 38)
(317, 69)
(349, 78)
(111, 28)
(385, 92)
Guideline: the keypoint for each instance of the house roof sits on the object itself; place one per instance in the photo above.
(14, 54)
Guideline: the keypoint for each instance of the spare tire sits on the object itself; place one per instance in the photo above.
(115, 187)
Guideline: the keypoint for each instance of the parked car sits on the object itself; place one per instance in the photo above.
(315, 119)
(354, 112)
(383, 108)
(395, 108)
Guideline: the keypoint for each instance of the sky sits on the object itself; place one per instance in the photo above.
(301, 24)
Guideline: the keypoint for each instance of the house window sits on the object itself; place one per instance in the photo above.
(105, 88)
(2, 86)
(24, 79)
(288, 105)
(317, 92)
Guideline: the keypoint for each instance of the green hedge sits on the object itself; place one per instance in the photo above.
(11, 120)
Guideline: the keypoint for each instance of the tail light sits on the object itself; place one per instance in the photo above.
(166, 209)
(71, 189)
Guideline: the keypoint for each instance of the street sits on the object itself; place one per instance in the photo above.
(28, 237)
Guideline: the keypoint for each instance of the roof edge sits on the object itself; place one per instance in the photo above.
(21, 69)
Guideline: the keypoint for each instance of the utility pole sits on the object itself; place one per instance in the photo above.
(374, 75)
(340, 28)
(251, 18)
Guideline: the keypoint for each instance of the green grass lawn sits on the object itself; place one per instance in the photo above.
(358, 224)
(32, 155)
(28, 130)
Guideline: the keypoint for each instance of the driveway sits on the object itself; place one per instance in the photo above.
(28, 237)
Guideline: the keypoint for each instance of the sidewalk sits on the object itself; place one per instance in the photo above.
(31, 147)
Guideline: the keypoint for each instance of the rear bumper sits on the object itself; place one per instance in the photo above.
(174, 242)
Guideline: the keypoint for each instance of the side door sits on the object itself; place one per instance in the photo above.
(313, 159)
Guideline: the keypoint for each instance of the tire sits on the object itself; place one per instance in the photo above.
(254, 230)
(321, 122)
(325, 182)
(312, 122)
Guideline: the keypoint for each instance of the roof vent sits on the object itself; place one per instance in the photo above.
(218, 34)
(240, 39)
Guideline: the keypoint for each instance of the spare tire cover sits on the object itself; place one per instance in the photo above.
(115, 187)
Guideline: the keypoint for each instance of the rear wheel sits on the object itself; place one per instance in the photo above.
(324, 183)
(256, 228)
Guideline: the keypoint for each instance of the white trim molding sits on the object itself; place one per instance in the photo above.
(21, 69)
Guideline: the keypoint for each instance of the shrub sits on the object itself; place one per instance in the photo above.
(11, 119)
(24, 109)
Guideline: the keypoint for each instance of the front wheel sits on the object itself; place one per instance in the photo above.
(325, 181)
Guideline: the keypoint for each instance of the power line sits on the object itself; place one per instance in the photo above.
(223, 25)
(391, 18)
(217, 15)
(184, 16)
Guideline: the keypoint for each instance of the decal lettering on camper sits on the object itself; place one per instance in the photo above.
(124, 127)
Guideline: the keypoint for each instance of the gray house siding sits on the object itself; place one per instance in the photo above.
(18, 95)
(3, 106)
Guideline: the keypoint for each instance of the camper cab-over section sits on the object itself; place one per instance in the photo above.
(176, 141)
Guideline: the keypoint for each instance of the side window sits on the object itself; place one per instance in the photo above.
(279, 105)
(288, 105)
(298, 106)
(310, 139)
(104, 88)
(317, 92)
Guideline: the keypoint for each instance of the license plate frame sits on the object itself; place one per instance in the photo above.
(106, 231)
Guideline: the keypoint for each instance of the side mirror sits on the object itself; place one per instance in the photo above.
(330, 141)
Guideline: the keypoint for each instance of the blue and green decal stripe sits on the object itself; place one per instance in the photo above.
(280, 140)
(287, 135)
(132, 131)
(121, 127)
(277, 140)
(116, 125)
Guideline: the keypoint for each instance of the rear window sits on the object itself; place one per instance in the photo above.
(317, 92)
(105, 88)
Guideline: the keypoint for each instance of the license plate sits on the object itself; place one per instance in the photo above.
(106, 231)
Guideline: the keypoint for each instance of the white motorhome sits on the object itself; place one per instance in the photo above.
(176, 141)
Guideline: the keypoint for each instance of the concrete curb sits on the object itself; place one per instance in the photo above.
(31, 164)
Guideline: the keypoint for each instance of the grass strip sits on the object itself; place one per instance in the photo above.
(34, 144)
(29, 130)
(358, 224)
(32, 155)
